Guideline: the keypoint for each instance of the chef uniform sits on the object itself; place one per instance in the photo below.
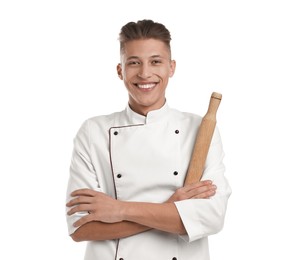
(133, 157)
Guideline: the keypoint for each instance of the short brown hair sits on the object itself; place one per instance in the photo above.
(144, 29)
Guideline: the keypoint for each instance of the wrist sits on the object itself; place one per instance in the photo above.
(124, 210)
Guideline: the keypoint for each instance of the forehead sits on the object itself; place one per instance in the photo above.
(145, 48)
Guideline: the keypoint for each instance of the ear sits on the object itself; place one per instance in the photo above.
(119, 71)
(172, 67)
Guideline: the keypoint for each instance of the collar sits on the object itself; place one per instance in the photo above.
(152, 116)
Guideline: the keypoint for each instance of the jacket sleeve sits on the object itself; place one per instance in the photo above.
(82, 172)
(204, 217)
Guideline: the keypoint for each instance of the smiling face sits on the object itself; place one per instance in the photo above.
(145, 68)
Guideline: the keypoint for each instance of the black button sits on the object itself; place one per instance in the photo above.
(174, 258)
(119, 175)
(120, 258)
(115, 133)
(175, 173)
(176, 131)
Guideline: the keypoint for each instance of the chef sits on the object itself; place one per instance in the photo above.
(125, 193)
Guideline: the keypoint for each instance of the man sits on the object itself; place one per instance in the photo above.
(125, 193)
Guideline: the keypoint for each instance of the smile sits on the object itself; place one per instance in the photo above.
(146, 86)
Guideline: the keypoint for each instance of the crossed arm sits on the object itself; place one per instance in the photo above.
(111, 219)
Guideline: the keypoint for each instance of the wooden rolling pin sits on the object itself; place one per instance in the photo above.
(203, 140)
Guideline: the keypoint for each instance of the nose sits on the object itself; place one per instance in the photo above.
(144, 71)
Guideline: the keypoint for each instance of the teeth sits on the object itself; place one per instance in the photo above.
(146, 86)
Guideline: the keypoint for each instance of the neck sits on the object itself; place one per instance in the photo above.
(144, 110)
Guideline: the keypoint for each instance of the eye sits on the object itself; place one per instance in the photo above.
(132, 62)
(156, 62)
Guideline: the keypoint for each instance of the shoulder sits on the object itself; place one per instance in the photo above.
(101, 122)
(191, 122)
(103, 119)
(186, 116)
(97, 126)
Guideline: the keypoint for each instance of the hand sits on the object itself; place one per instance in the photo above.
(100, 206)
(198, 190)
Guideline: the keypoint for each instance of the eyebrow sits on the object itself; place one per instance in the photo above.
(153, 56)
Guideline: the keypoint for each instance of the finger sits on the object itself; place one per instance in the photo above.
(79, 200)
(81, 207)
(205, 195)
(197, 185)
(84, 220)
(83, 192)
(193, 193)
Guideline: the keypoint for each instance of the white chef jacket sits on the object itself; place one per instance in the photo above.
(145, 158)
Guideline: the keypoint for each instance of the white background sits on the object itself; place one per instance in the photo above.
(57, 68)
